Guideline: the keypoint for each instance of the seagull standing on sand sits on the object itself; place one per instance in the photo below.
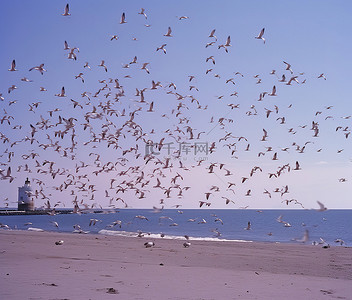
(186, 244)
(149, 244)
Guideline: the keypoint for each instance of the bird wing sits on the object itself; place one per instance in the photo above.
(261, 33)
(321, 205)
(123, 18)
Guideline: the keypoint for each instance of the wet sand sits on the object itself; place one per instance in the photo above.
(112, 267)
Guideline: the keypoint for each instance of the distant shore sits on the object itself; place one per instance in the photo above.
(44, 212)
(99, 266)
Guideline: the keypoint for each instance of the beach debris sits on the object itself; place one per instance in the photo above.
(186, 244)
(112, 291)
(149, 244)
(49, 284)
(60, 242)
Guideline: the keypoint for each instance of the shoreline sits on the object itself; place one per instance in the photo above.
(157, 236)
(88, 266)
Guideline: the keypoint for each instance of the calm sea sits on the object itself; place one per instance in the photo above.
(203, 224)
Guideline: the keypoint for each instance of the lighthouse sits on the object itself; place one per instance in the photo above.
(25, 200)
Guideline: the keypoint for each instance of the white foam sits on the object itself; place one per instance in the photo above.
(167, 237)
(35, 229)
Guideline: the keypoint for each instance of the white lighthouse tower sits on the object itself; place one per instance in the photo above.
(25, 199)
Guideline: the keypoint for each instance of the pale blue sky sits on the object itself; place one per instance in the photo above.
(313, 36)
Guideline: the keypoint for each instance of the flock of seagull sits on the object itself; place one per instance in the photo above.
(99, 122)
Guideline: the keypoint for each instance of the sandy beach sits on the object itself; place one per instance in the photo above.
(110, 267)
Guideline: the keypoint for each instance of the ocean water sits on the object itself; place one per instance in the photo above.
(202, 224)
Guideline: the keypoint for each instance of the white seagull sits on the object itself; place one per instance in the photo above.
(248, 226)
(288, 67)
(62, 94)
(322, 76)
(123, 19)
(66, 12)
(186, 244)
(102, 64)
(162, 47)
(13, 66)
(39, 68)
(149, 244)
(212, 34)
(321, 206)
(260, 35)
(273, 92)
(168, 32)
(143, 13)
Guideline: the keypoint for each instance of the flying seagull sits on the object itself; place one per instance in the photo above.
(260, 35)
(168, 32)
(39, 68)
(62, 94)
(123, 19)
(66, 12)
(13, 66)
(321, 206)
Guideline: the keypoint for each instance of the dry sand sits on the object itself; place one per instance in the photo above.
(110, 267)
